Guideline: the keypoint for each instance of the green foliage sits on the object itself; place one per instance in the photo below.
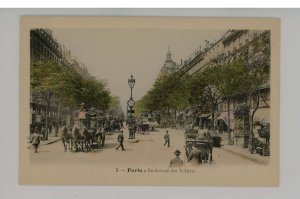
(115, 106)
(69, 86)
(170, 91)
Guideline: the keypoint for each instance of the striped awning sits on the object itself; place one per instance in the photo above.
(224, 117)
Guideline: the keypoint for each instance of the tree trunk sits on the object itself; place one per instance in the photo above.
(213, 116)
(57, 117)
(251, 118)
(47, 112)
(228, 129)
(174, 121)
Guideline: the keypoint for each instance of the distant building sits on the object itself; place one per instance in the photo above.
(66, 56)
(169, 65)
(80, 68)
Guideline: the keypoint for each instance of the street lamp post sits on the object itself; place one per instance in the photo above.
(130, 103)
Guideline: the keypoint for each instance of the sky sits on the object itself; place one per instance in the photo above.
(114, 54)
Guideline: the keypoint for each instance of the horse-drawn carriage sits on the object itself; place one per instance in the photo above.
(80, 139)
(201, 142)
(85, 134)
(142, 126)
(112, 125)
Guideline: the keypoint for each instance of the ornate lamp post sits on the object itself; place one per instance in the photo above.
(130, 103)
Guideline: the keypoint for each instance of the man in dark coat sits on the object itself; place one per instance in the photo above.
(35, 141)
(167, 139)
(120, 140)
(176, 162)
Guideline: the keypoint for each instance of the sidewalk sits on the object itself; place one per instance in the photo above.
(238, 149)
(52, 138)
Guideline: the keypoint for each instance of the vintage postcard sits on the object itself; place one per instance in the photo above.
(149, 101)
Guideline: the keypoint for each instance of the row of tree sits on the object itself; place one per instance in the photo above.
(245, 75)
(177, 91)
(48, 79)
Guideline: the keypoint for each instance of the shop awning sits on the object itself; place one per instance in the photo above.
(224, 117)
(206, 115)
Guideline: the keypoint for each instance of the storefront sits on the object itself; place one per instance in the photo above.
(204, 120)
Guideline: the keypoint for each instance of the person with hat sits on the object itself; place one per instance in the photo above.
(176, 162)
(120, 140)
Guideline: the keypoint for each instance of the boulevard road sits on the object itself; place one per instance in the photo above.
(149, 150)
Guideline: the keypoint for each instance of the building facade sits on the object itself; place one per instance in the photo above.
(44, 47)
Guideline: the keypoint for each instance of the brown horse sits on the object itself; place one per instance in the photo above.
(67, 139)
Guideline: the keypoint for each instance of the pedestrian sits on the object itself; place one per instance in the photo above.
(176, 162)
(50, 127)
(231, 136)
(35, 140)
(43, 131)
(167, 139)
(195, 156)
(56, 129)
(120, 140)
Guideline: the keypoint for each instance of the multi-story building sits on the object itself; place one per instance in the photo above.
(43, 46)
(232, 45)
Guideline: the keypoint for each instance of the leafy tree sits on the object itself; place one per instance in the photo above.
(115, 106)
(258, 75)
(48, 79)
(205, 89)
(233, 83)
(169, 92)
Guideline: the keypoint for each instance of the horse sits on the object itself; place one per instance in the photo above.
(87, 137)
(78, 139)
(98, 137)
(67, 139)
